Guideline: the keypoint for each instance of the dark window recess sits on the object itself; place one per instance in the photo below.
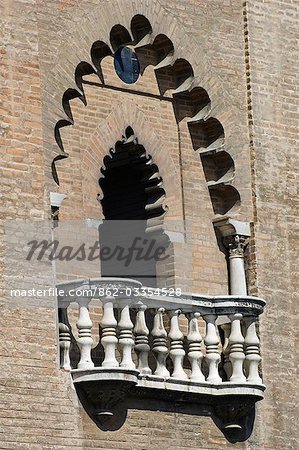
(131, 188)
(126, 65)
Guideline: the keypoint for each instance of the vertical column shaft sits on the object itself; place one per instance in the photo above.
(195, 354)
(85, 341)
(177, 351)
(64, 340)
(109, 339)
(236, 349)
(142, 347)
(126, 340)
(212, 354)
(252, 351)
(160, 348)
(236, 245)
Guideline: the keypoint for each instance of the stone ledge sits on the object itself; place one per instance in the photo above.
(107, 394)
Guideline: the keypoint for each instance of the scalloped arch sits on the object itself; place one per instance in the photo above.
(84, 28)
(206, 132)
(149, 180)
(108, 133)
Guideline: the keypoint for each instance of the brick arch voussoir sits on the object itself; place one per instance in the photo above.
(206, 132)
(112, 129)
(88, 28)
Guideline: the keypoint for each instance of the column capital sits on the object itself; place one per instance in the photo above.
(235, 234)
(235, 237)
(56, 198)
(236, 244)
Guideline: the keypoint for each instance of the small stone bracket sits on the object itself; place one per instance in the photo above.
(235, 417)
(232, 227)
(102, 394)
(107, 394)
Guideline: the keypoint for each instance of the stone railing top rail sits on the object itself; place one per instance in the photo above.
(132, 292)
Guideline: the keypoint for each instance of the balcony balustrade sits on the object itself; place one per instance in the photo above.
(194, 352)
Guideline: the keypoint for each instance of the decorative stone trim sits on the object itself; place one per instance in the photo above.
(235, 238)
(206, 132)
(151, 180)
(127, 374)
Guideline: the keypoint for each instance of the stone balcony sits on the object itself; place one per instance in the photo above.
(176, 352)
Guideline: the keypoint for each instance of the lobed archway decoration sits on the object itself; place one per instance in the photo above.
(191, 102)
(142, 189)
(132, 194)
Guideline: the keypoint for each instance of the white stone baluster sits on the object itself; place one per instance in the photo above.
(85, 341)
(227, 366)
(252, 351)
(212, 354)
(236, 349)
(64, 345)
(142, 347)
(195, 354)
(109, 340)
(160, 349)
(177, 351)
(125, 339)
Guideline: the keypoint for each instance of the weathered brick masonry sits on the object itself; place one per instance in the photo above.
(244, 55)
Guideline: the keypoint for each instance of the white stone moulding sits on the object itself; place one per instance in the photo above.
(147, 353)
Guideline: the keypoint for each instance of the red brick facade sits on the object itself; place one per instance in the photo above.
(242, 55)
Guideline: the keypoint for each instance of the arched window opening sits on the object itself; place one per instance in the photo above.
(133, 209)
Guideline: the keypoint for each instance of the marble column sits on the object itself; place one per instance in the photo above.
(236, 245)
(234, 236)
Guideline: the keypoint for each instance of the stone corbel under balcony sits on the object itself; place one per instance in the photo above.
(153, 360)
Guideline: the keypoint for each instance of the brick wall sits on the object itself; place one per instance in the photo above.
(274, 127)
(43, 43)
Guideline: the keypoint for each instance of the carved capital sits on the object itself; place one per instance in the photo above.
(234, 235)
(236, 244)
